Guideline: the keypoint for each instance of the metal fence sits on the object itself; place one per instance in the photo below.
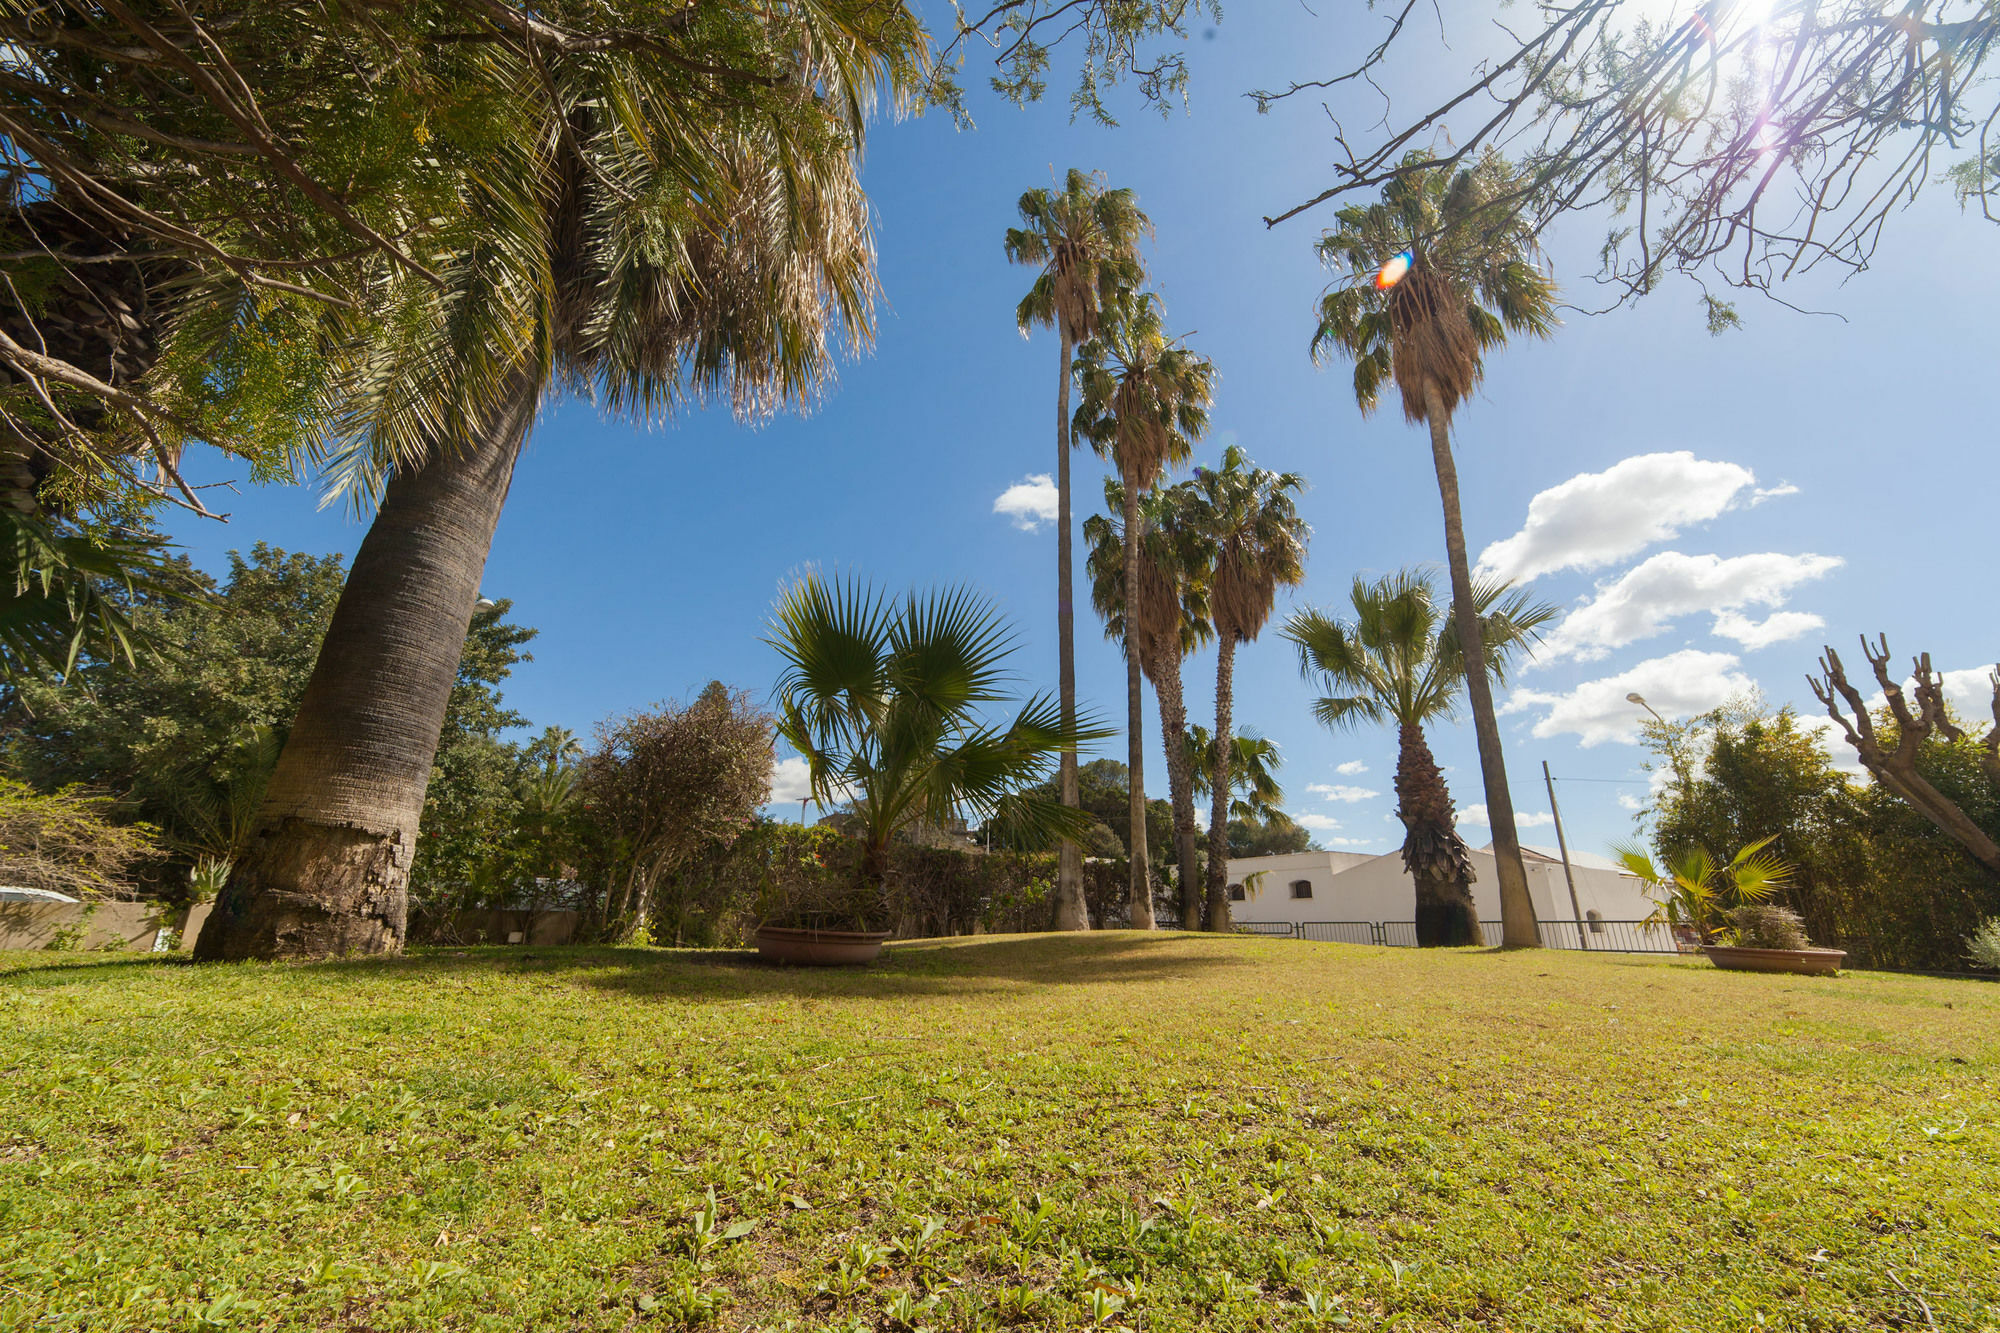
(1592, 936)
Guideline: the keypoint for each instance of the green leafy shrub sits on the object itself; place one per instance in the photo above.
(1768, 926)
(1983, 945)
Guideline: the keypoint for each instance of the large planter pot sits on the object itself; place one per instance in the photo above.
(1806, 962)
(813, 947)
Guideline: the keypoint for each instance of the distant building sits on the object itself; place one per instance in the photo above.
(1349, 886)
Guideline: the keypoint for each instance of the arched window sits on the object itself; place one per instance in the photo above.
(1302, 888)
(1236, 894)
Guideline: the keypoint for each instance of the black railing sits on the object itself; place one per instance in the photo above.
(1593, 936)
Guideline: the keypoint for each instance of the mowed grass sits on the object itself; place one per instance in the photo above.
(1038, 1132)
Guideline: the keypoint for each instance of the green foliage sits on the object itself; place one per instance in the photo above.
(664, 787)
(71, 842)
(1698, 891)
(886, 701)
(186, 739)
(1869, 874)
(1104, 793)
(1226, 1133)
(1274, 835)
(66, 594)
(1983, 945)
(1767, 926)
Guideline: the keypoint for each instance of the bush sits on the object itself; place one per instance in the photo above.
(1764, 926)
(70, 842)
(1983, 945)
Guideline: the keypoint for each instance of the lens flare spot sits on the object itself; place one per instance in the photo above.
(1392, 272)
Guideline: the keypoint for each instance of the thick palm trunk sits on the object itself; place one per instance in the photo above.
(1433, 852)
(1218, 783)
(1072, 913)
(1180, 785)
(1517, 908)
(1135, 725)
(327, 872)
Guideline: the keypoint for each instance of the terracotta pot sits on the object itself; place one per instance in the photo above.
(1806, 962)
(813, 947)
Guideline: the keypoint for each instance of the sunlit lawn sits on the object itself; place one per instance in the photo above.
(1035, 1132)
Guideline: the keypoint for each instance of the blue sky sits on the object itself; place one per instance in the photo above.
(1711, 511)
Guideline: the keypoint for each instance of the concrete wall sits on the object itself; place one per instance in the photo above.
(1377, 888)
(121, 925)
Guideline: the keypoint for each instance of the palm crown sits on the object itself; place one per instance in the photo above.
(1145, 397)
(886, 703)
(1175, 556)
(1253, 765)
(650, 230)
(1085, 240)
(1473, 279)
(1397, 660)
(1260, 540)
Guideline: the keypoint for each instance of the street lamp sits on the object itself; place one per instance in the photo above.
(1673, 747)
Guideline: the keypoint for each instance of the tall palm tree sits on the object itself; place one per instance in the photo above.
(1084, 241)
(1252, 520)
(678, 223)
(1254, 762)
(1433, 278)
(887, 704)
(1398, 661)
(1173, 559)
(1144, 403)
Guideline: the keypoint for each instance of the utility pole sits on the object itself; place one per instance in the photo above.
(1562, 845)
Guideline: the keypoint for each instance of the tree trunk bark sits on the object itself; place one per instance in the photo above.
(1135, 725)
(1433, 852)
(1180, 785)
(327, 872)
(1218, 783)
(1517, 907)
(1072, 912)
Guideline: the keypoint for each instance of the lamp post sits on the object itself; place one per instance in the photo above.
(1673, 745)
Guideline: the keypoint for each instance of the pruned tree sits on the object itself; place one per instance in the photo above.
(1740, 141)
(1894, 760)
(667, 784)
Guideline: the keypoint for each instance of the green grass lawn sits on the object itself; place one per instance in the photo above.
(1041, 1132)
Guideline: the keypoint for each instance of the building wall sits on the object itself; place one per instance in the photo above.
(1350, 887)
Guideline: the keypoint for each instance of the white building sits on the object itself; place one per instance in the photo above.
(1358, 889)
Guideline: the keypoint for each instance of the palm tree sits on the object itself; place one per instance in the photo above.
(1259, 541)
(1084, 240)
(1173, 562)
(674, 229)
(1468, 279)
(1254, 762)
(1398, 661)
(886, 703)
(1145, 403)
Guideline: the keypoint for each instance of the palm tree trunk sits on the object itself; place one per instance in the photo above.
(1218, 783)
(1517, 908)
(1135, 724)
(1180, 784)
(1072, 913)
(327, 872)
(1433, 852)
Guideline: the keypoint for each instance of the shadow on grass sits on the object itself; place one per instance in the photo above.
(908, 969)
(82, 967)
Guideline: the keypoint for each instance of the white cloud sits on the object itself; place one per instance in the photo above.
(1317, 823)
(1763, 493)
(1352, 768)
(1359, 844)
(1627, 801)
(1774, 628)
(1596, 518)
(1339, 792)
(791, 780)
(1689, 681)
(1474, 816)
(1029, 502)
(1645, 599)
